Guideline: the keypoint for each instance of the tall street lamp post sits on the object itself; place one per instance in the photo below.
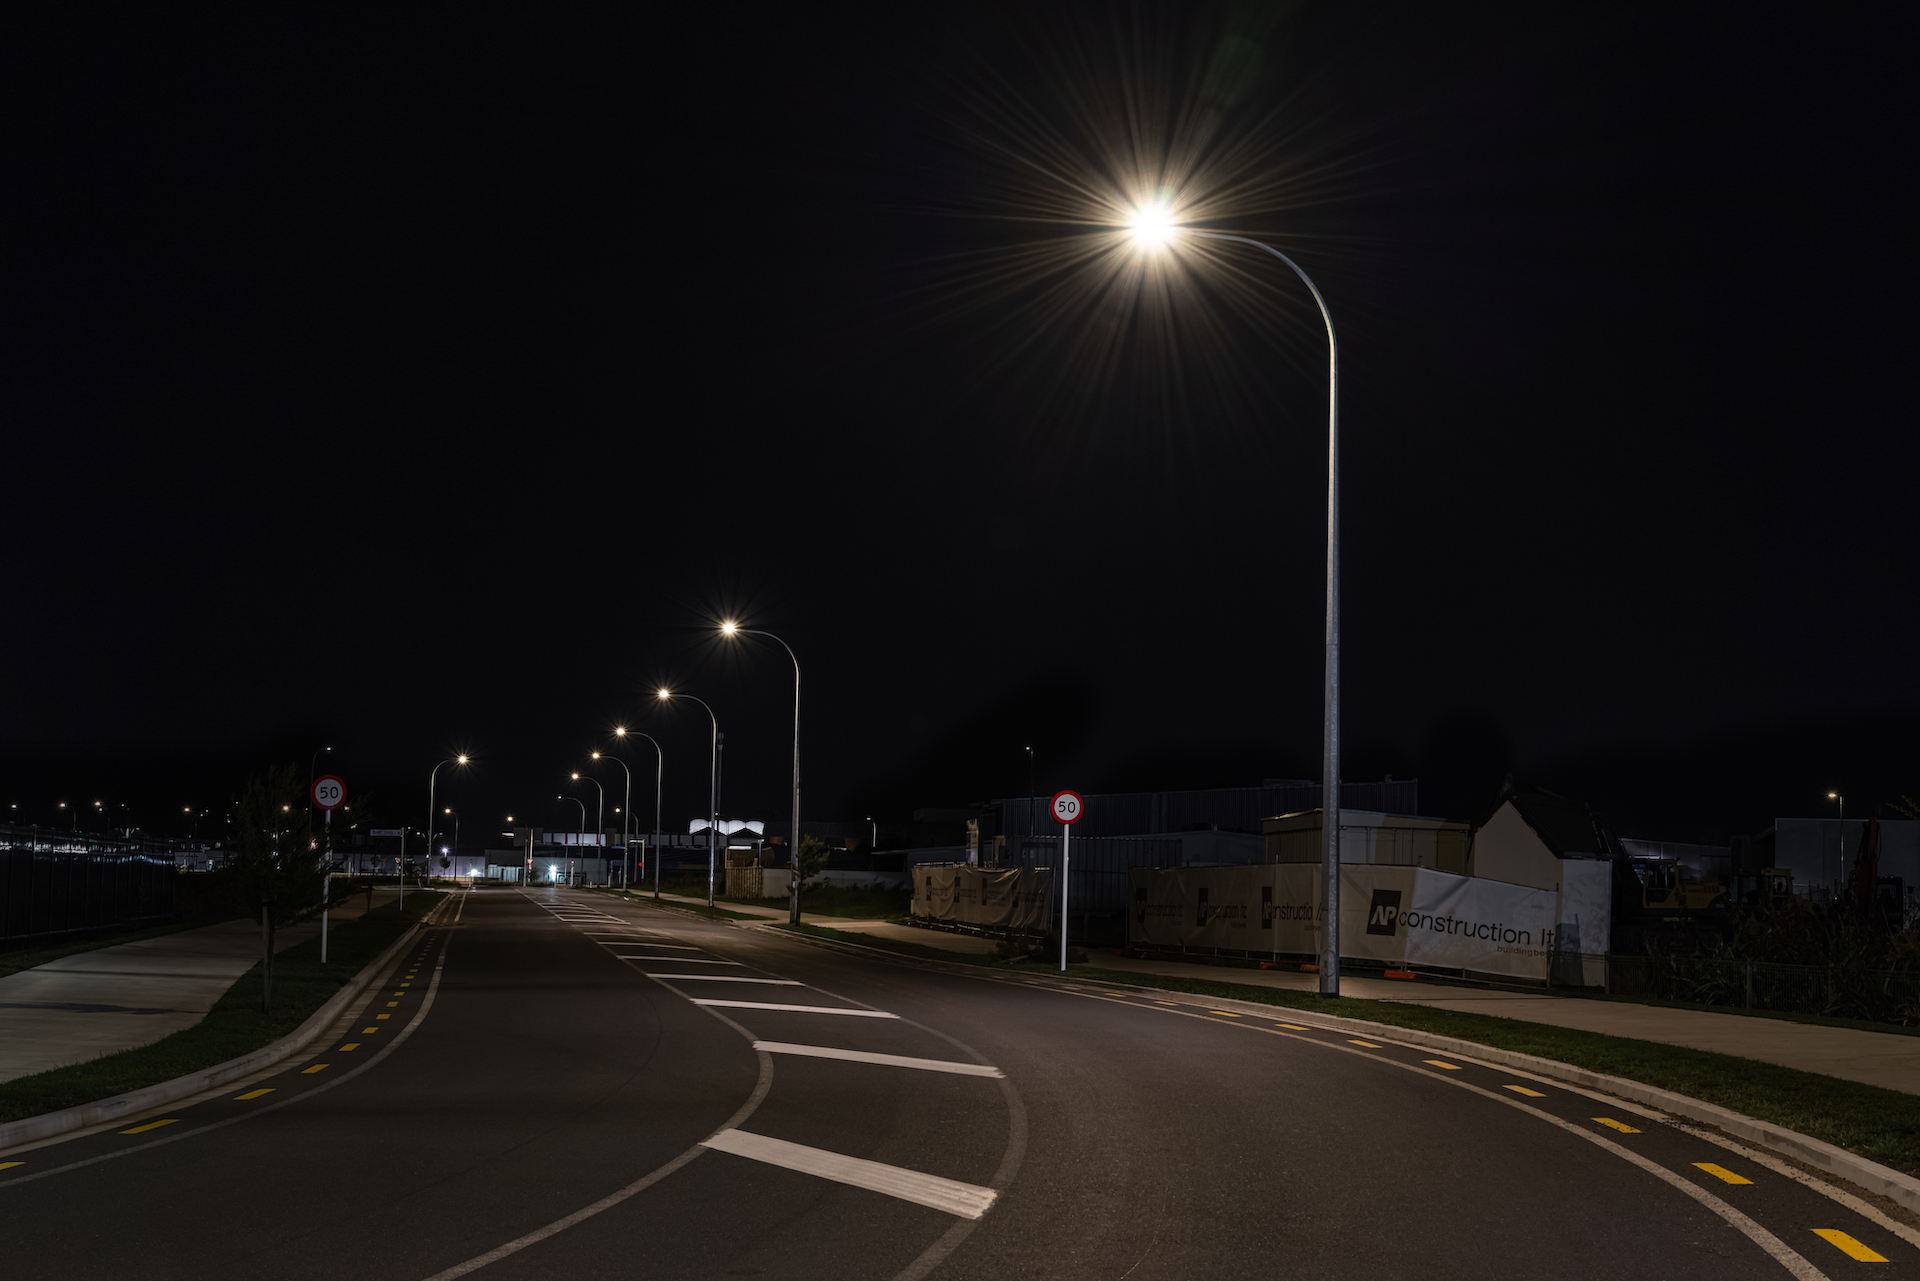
(659, 769)
(713, 785)
(600, 815)
(432, 780)
(1153, 226)
(626, 819)
(793, 833)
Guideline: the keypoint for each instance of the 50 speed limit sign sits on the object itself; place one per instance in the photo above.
(1067, 807)
(328, 791)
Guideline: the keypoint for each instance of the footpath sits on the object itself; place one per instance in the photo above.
(115, 998)
(1887, 1059)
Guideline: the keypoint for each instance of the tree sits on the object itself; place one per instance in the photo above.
(813, 858)
(277, 869)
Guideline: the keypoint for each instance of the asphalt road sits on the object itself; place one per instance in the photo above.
(566, 1085)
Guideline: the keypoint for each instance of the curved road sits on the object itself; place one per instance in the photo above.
(564, 1084)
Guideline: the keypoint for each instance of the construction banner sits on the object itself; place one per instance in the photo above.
(1396, 915)
(1018, 899)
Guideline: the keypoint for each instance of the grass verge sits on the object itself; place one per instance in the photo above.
(1880, 1124)
(234, 1026)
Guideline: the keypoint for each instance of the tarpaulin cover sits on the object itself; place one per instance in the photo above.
(1400, 915)
(1018, 899)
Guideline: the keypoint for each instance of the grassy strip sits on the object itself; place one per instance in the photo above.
(234, 1026)
(27, 958)
(1879, 1124)
(698, 909)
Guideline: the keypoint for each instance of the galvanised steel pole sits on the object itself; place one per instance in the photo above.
(793, 833)
(1330, 735)
(713, 786)
(659, 771)
(626, 833)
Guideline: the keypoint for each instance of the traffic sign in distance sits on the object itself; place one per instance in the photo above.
(328, 791)
(1067, 807)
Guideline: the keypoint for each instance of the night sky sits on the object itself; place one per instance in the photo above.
(433, 384)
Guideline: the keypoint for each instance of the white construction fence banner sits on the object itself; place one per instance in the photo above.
(1400, 915)
(1017, 899)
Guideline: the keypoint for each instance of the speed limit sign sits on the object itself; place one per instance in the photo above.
(328, 791)
(1067, 807)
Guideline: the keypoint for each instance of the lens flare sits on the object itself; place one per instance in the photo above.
(1152, 226)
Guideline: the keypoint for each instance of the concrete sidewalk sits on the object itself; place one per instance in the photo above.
(115, 998)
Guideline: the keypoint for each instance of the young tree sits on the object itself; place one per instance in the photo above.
(277, 869)
(813, 858)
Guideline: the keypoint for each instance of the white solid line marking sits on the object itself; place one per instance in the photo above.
(794, 1009)
(729, 978)
(677, 960)
(967, 1200)
(885, 1060)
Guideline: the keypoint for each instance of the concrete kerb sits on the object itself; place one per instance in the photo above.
(46, 1126)
(1902, 1189)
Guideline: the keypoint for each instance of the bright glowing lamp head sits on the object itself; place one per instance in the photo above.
(461, 759)
(1833, 795)
(729, 628)
(620, 732)
(596, 756)
(576, 776)
(666, 694)
(1152, 226)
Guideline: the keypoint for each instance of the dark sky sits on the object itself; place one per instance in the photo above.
(423, 385)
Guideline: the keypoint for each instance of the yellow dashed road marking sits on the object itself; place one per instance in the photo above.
(1442, 1063)
(151, 1125)
(1225, 1014)
(384, 1016)
(318, 1067)
(1723, 1174)
(252, 1094)
(1848, 1246)
(1521, 1089)
(1612, 1124)
(351, 1045)
(1364, 1044)
(8, 1165)
(1291, 1027)
(365, 1030)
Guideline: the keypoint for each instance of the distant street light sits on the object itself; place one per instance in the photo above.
(626, 819)
(1156, 227)
(600, 815)
(793, 833)
(713, 785)
(659, 770)
(432, 779)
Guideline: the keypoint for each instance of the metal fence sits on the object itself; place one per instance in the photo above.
(1840, 991)
(58, 885)
(1097, 866)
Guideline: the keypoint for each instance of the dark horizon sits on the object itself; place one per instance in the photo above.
(427, 390)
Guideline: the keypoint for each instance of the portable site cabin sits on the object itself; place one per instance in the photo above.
(1548, 842)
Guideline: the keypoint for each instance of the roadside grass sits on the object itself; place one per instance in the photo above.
(27, 958)
(1880, 1124)
(234, 1026)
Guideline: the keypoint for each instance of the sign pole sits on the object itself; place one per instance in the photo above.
(327, 792)
(1067, 809)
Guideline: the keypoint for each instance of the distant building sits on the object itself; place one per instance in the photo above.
(1821, 852)
(1548, 842)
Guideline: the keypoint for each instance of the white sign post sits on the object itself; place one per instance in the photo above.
(328, 791)
(1066, 812)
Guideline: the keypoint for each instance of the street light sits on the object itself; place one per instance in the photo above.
(659, 769)
(1155, 227)
(432, 779)
(600, 815)
(713, 784)
(583, 813)
(793, 833)
(626, 819)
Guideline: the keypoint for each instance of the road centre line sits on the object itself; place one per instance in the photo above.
(730, 978)
(1796, 1264)
(1439, 1063)
(884, 1060)
(965, 1200)
(1612, 1124)
(793, 1009)
(1720, 1172)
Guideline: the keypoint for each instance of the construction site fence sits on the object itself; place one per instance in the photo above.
(56, 886)
(1837, 991)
